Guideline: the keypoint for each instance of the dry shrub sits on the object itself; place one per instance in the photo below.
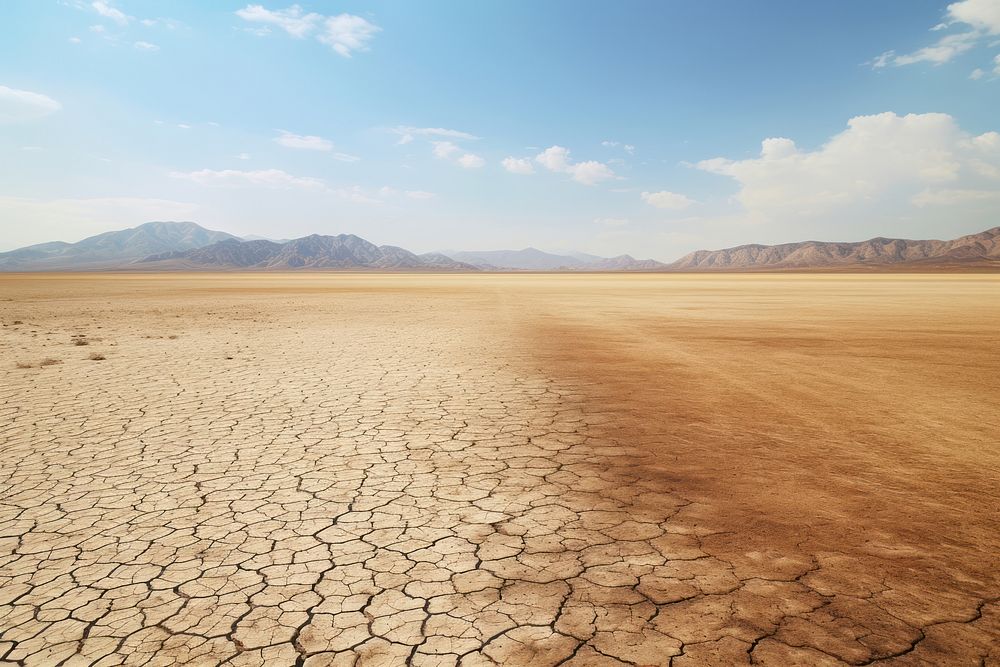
(80, 341)
(49, 362)
(22, 364)
(96, 356)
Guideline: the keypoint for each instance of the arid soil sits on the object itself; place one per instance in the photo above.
(363, 469)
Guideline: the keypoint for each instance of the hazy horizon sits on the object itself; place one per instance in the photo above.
(651, 129)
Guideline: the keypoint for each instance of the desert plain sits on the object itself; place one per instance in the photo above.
(388, 469)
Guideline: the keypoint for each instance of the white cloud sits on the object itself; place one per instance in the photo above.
(980, 14)
(74, 40)
(360, 195)
(470, 161)
(146, 46)
(407, 133)
(983, 19)
(879, 166)
(628, 148)
(38, 220)
(184, 126)
(243, 156)
(292, 20)
(109, 12)
(344, 33)
(447, 150)
(556, 158)
(345, 157)
(996, 64)
(666, 199)
(265, 178)
(304, 142)
(976, 74)
(97, 28)
(591, 172)
(518, 165)
(444, 149)
(22, 105)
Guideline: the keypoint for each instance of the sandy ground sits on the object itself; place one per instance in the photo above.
(340, 469)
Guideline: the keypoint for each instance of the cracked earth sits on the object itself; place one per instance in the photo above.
(518, 470)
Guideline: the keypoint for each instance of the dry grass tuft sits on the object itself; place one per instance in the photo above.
(80, 341)
(49, 362)
(96, 356)
(22, 364)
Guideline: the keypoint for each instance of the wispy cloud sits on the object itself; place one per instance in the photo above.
(344, 33)
(146, 46)
(23, 105)
(407, 133)
(303, 141)
(266, 178)
(108, 11)
(982, 20)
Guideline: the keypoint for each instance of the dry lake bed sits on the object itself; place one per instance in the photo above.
(365, 469)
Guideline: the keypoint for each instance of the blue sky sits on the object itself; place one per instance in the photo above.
(651, 128)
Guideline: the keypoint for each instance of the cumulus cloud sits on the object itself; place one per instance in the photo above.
(882, 164)
(146, 46)
(518, 165)
(303, 141)
(470, 161)
(666, 199)
(981, 19)
(344, 33)
(557, 159)
(444, 149)
(263, 178)
(447, 150)
(23, 105)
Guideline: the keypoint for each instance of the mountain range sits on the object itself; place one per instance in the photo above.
(166, 246)
(980, 250)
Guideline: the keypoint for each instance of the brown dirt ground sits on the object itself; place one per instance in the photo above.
(326, 469)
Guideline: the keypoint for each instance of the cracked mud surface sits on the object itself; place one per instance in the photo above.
(519, 470)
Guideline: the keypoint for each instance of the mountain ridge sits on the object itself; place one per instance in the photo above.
(170, 246)
(982, 248)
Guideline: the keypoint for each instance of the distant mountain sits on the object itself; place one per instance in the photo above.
(532, 259)
(344, 251)
(972, 251)
(111, 249)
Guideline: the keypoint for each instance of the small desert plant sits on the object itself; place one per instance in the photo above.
(49, 362)
(18, 322)
(96, 356)
(80, 341)
(22, 364)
